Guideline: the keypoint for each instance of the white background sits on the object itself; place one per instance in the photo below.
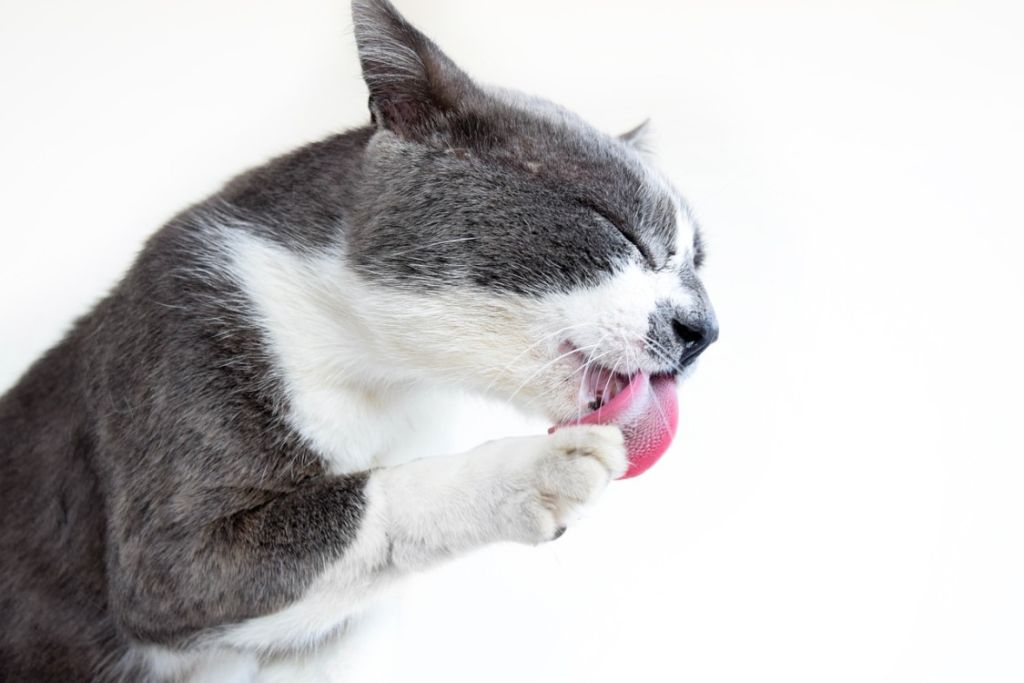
(844, 501)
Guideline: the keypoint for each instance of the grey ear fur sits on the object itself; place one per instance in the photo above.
(411, 81)
(639, 138)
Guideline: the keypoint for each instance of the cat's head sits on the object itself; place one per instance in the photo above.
(508, 243)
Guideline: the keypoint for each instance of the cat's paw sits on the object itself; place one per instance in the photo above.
(566, 472)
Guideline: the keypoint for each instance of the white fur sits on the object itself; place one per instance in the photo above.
(520, 489)
(362, 365)
(612, 319)
(344, 395)
(361, 361)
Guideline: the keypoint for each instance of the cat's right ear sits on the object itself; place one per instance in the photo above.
(412, 83)
(639, 138)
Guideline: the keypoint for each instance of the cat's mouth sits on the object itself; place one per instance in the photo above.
(600, 387)
(643, 406)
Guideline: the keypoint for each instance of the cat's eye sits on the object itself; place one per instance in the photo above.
(623, 228)
(698, 249)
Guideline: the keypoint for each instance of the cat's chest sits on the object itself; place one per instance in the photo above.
(355, 431)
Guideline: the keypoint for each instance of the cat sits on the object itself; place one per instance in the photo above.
(208, 476)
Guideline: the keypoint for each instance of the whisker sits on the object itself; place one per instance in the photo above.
(508, 366)
(545, 367)
(589, 361)
(580, 370)
(421, 247)
(662, 353)
(657, 406)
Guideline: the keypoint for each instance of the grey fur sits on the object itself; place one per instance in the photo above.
(517, 195)
(150, 488)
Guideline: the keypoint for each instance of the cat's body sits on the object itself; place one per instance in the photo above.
(204, 479)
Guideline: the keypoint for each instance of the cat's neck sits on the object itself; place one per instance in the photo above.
(343, 396)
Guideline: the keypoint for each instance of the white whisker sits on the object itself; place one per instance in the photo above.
(545, 367)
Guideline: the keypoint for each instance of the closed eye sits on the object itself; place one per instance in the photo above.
(698, 249)
(623, 229)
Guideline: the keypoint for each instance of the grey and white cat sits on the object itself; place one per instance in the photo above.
(202, 481)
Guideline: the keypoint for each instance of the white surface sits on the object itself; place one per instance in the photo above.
(844, 501)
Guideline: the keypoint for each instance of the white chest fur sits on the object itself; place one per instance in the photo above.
(346, 401)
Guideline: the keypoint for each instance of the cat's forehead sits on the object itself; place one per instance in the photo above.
(548, 134)
(559, 147)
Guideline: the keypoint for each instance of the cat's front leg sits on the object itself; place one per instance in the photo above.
(523, 489)
(526, 489)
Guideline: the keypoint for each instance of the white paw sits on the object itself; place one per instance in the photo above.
(565, 472)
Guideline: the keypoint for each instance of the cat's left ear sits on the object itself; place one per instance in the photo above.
(412, 82)
(639, 138)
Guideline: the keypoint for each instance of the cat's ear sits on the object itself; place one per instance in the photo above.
(639, 138)
(411, 81)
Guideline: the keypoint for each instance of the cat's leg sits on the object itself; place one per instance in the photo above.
(520, 489)
(300, 562)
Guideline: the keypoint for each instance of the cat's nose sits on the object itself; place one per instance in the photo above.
(694, 335)
(678, 334)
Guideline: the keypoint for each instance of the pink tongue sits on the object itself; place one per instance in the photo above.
(646, 411)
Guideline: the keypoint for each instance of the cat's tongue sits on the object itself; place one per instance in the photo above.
(646, 410)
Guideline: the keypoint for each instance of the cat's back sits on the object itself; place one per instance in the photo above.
(167, 363)
(44, 435)
(51, 522)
